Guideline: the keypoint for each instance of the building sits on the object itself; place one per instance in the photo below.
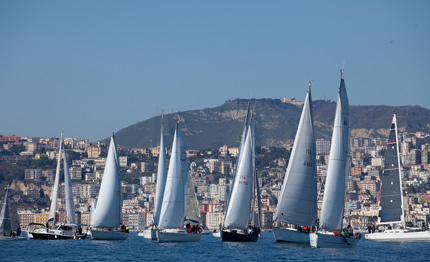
(323, 146)
(31, 174)
(94, 151)
(123, 161)
(42, 218)
(76, 173)
(25, 218)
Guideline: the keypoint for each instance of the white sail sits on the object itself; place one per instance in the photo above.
(333, 205)
(161, 177)
(108, 209)
(56, 184)
(92, 209)
(237, 215)
(70, 206)
(173, 207)
(242, 141)
(298, 200)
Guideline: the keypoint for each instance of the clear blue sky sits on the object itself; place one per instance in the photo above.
(93, 67)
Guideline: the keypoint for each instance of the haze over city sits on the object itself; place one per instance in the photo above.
(90, 68)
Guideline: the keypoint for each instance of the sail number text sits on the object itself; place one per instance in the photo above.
(242, 180)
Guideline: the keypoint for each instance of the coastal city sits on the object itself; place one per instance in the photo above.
(31, 163)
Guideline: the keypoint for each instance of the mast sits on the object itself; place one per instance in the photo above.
(298, 199)
(56, 184)
(332, 211)
(161, 175)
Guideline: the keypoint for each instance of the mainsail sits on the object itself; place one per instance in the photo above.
(173, 207)
(391, 199)
(108, 209)
(161, 177)
(333, 205)
(298, 199)
(56, 184)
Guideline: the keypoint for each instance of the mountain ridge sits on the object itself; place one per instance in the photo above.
(275, 123)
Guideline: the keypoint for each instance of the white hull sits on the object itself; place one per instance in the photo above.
(6, 238)
(149, 233)
(216, 234)
(290, 235)
(322, 240)
(108, 235)
(176, 236)
(399, 235)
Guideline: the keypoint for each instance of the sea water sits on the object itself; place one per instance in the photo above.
(209, 248)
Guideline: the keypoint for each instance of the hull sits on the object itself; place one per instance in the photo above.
(321, 240)
(6, 238)
(235, 236)
(216, 234)
(108, 235)
(176, 236)
(399, 235)
(290, 235)
(55, 235)
(149, 233)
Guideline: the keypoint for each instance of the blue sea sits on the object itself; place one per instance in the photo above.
(209, 248)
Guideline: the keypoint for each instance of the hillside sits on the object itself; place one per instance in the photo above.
(275, 123)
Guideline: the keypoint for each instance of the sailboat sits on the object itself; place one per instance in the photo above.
(391, 198)
(68, 230)
(151, 232)
(174, 208)
(9, 221)
(297, 206)
(237, 225)
(106, 219)
(332, 212)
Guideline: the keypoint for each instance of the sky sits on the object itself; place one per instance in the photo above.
(93, 67)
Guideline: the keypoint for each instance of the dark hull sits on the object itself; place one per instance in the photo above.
(47, 236)
(227, 236)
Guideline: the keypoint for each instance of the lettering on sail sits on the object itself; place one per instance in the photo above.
(242, 180)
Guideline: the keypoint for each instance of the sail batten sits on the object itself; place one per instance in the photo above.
(298, 199)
